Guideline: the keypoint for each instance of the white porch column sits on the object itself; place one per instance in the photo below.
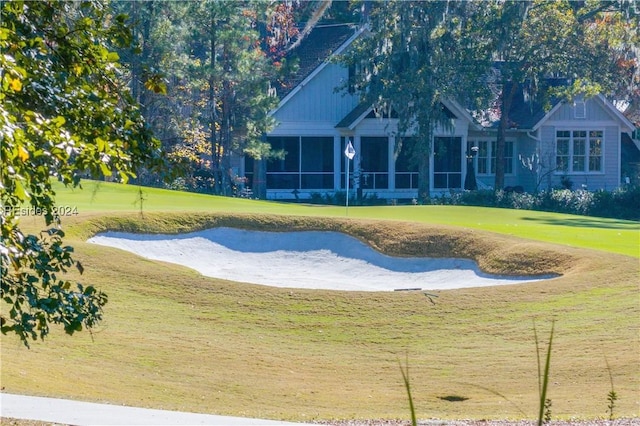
(392, 163)
(357, 145)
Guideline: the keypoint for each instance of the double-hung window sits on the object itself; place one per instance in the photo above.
(486, 157)
(579, 151)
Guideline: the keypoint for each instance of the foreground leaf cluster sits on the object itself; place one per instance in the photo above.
(64, 114)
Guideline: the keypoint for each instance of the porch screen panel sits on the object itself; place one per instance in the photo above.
(406, 167)
(284, 173)
(447, 163)
(374, 163)
(317, 162)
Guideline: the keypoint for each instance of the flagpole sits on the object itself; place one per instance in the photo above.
(349, 152)
(347, 181)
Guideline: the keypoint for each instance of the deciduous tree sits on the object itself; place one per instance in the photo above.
(416, 55)
(592, 44)
(63, 114)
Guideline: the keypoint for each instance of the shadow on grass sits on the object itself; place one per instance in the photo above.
(581, 222)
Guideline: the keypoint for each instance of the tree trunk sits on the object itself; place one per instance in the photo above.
(424, 191)
(509, 90)
(260, 179)
(214, 140)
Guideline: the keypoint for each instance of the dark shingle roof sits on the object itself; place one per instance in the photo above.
(316, 48)
(353, 115)
(526, 111)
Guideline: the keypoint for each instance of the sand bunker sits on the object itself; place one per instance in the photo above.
(310, 259)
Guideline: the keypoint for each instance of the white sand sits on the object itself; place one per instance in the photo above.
(313, 260)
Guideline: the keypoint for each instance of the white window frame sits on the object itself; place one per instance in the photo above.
(586, 161)
(489, 159)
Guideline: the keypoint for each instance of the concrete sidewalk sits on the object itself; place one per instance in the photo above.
(88, 413)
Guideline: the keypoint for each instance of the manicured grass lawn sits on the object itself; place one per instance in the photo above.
(173, 339)
(616, 236)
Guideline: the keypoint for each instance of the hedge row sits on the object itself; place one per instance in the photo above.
(622, 203)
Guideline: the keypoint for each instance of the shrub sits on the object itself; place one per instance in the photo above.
(316, 198)
(484, 197)
(523, 201)
(566, 201)
(622, 203)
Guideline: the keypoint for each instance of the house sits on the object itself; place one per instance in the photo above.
(579, 142)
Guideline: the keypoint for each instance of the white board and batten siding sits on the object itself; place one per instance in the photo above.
(317, 102)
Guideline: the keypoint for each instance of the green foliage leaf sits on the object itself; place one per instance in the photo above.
(156, 84)
(64, 112)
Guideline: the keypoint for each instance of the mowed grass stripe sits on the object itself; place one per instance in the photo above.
(174, 339)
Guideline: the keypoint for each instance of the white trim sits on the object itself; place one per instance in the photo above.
(306, 128)
(474, 140)
(361, 117)
(612, 110)
(583, 124)
(587, 155)
(461, 112)
(548, 115)
(316, 71)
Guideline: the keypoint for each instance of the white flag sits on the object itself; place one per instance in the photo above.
(349, 151)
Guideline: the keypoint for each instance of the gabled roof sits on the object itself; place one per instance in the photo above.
(351, 120)
(627, 126)
(362, 111)
(322, 42)
(529, 114)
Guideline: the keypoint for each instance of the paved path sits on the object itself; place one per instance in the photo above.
(88, 413)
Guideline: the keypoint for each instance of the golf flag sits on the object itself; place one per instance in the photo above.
(349, 151)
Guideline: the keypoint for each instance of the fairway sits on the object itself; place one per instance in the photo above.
(174, 339)
(610, 235)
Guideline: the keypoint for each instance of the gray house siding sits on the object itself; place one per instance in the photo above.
(597, 120)
(574, 112)
(526, 152)
(318, 100)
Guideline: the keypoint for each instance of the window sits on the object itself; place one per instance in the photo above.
(579, 109)
(486, 157)
(595, 150)
(483, 157)
(579, 151)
